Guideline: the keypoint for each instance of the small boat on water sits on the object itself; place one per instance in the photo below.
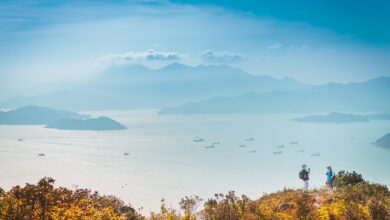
(252, 151)
(280, 146)
(241, 145)
(249, 139)
(198, 139)
(301, 151)
(209, 146)
(215, 143)
(20, 139)
(315, 155)
(41, 154)
(277, 152)
(126, 154)
(294, 142)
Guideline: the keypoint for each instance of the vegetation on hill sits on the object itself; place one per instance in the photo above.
(354, 199)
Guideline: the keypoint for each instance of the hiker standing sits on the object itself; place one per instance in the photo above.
(304, 175)
(329, 177)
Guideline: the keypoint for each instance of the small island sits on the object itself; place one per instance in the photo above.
(94, 124)
(57, 119)
(335, 117)
(383, 142)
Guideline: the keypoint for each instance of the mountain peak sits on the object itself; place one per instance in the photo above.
(175, 66)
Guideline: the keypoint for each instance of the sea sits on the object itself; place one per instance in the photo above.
(157, 158)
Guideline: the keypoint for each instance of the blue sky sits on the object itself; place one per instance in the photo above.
(311, 41)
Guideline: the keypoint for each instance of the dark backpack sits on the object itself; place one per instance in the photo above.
(301, 175)
(304, 175)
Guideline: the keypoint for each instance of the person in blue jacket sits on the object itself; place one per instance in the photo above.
(329, 177)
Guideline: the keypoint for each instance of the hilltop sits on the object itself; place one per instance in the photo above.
(354, 198)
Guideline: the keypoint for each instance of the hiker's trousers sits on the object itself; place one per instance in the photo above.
(305, 184)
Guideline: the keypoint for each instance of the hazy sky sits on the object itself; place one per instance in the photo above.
(311, 41)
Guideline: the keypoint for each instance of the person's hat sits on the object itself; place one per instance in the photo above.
(304, 166)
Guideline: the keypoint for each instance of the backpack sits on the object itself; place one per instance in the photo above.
(301, 175)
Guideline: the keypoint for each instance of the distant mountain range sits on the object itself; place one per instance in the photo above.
(369, 96)
(336, 117)
(135, 86)
(182, 89)
(58, 119)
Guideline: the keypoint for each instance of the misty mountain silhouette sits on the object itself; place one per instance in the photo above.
(372, 95)
(135, 86)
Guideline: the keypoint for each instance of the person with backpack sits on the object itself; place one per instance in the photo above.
(304, 175)
(330, 177)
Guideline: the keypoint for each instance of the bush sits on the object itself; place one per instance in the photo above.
(379, 210)
(344, 178)
(305, 206)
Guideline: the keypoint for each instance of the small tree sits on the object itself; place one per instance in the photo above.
(189, 204)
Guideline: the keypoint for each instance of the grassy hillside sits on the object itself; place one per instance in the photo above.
(354, 199)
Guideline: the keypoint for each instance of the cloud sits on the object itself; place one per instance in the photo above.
(274, 46)
(222, 56)
(136, 56)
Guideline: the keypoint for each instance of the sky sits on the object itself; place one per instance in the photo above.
(313, 42)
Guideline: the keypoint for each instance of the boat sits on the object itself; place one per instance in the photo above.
(209, 146)
(215, 143)
(241, 145)
(277, 152)
(294, 142)
(301, 151)
(198, 140)
(315, 154)
(252, 151)
(20, 139)
(280, 146)
(41, 154)
(249, 139)
(126, 154)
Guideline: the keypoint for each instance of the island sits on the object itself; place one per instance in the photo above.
(95, 124)
(383, 142)
(36, 115)
(57, 119)
(335, 117)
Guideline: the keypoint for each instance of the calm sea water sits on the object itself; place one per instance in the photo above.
(164, 162)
